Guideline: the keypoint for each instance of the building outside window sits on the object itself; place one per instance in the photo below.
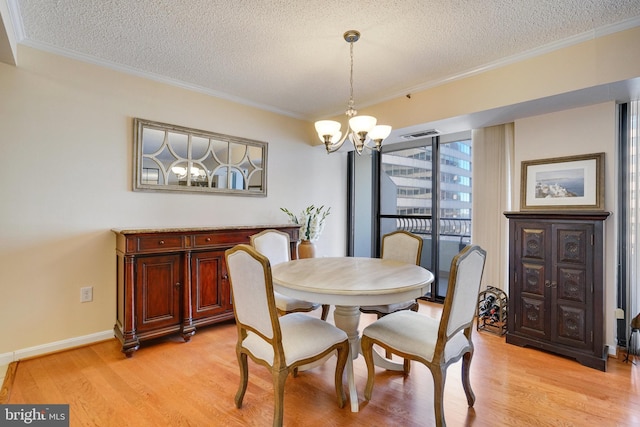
(406, 196)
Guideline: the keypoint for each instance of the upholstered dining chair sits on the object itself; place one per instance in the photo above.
(402, 246)
(274, 244)
(435, 343)
(280, 343)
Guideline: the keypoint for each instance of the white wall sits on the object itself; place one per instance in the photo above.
(584, 130)
(65, 182)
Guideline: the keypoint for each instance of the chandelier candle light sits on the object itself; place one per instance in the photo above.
(362, 131)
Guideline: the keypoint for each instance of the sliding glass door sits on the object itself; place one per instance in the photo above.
(425, 188)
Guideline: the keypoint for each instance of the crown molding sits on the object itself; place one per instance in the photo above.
(532, 53)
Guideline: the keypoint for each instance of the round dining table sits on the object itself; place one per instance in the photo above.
(348, 283)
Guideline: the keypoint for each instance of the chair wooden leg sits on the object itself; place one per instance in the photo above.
(466, 383)
(439, 377)
(406, 366)
(367, 351)
(244, 378)
(343, 356)
(279, 378)
(325, 311)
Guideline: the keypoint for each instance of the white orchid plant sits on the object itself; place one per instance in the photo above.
(311, 221)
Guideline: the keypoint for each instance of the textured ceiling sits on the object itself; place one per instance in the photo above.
(289, 55)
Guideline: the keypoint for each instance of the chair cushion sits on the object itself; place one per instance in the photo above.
(415, 334)
(285, 303)
(303, 336)
(389, 308)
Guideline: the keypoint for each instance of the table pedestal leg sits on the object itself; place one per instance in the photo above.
(347, 319)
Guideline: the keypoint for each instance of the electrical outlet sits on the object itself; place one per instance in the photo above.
(86, 294)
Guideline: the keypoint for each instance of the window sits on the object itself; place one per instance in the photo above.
(409, 180)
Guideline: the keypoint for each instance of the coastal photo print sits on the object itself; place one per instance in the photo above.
(563, 183)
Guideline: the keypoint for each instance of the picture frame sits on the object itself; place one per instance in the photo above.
(563, 183)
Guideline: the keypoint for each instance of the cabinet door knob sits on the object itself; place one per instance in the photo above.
(554, 284)
(161, 242)
(178, 284)
(208, 239)
(547, 284)
(225, 276)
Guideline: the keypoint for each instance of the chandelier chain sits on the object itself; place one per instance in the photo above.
(351, 72)
(351, 110)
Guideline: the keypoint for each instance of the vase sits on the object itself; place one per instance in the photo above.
(306, 249)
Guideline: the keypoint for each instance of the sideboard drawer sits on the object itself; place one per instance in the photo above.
(200, 240)
(155, 243)
(229, 238)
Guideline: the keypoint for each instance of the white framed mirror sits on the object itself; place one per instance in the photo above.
(175, 158)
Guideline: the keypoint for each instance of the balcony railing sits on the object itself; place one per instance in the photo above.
(454, 227)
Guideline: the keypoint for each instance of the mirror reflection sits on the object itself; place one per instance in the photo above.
(174, 158)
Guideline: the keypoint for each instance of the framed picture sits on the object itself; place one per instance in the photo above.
(564, 183)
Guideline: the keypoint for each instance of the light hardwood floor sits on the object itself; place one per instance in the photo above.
(172, 383)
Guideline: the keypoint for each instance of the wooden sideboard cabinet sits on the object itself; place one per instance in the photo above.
(556, 284)
(174, 280)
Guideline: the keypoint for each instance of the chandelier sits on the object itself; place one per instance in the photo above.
(362, 131)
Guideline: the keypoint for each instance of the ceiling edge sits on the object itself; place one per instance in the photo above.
(155, 77)
(532, 53)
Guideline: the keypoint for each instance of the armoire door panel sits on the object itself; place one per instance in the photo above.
(532, 316)
(533, 278)
(533, 244)
(572, 246)
(572, 326)
(572, 285)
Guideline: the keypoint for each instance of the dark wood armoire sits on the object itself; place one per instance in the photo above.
(556, 284)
